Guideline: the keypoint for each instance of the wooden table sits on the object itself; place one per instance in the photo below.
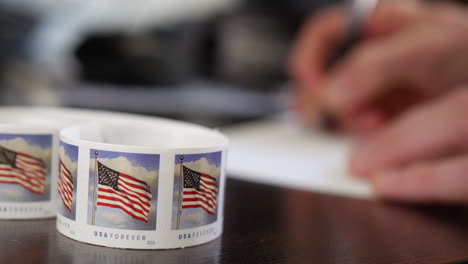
(265, 224)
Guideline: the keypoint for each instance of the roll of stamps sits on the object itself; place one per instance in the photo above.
(156, 184)
(115, 180)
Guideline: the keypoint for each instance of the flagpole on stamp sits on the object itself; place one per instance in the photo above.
(96, 182)
(181, 189)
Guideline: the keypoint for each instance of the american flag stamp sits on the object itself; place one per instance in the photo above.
(25, 162)
(67, 180)
(123, 190)
(196, 188)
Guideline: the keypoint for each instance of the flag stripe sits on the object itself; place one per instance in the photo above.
(105, 201)
(66, 200)
(29, 159)
(146, 195)
(65, 171)
(22, 185)
(206, 199)
(195, 195)
(65, 186)
(65, 191)
(136, 197)
(118, 206)
(211, 198)
(124, 202)
(207, 189)
(30, 171)
(134, 188)
(200, 199)
(15, 173)
(195, 192)
(65, 194)
(15, 180)
(198, 205)
(60, 192)
(208, 181)
(28, 162)
(20, 182)
(206, 176)
(20, 178)
(33, 166)
(135, 180)
(33, 175)
(130, 200)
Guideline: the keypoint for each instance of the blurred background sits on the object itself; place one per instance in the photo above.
(213, 62)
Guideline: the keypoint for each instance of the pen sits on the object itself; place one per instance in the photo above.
(360, 11)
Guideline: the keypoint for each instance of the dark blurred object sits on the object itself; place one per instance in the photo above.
(292, 10)
(165, 57)
(14, 29)
(253, 50)
(247, 47)
(16, 79)
(248, 50)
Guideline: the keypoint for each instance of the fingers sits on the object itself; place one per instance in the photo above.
(317, 43)
(390, 16)
(442, 181)
(429, 131)
(322, 33)
(376, 66)
(419, 57)
(379, 66)
(363, 122)
(308, 59)
(314, 46)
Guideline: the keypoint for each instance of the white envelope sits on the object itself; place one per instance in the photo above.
(280, 152)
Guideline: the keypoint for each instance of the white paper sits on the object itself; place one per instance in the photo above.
(280, 152)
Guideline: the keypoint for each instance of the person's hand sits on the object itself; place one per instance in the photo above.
(411, 52)
(422, 156)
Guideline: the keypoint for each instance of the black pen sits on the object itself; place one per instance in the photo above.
(360, 11)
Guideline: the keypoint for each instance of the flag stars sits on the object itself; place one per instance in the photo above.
(191, 179)
(108, 177)
(7, 157)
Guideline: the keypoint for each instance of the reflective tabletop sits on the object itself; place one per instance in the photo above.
(266, 224)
